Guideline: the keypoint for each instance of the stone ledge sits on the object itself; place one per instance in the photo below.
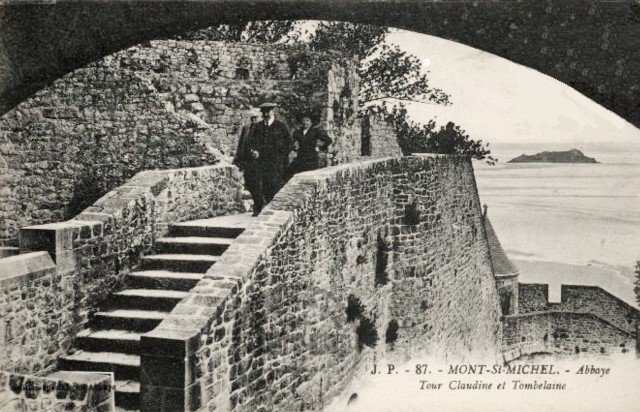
(8, 251)
(90, 391)
(58, 237)
(172, 343)
(23, 269)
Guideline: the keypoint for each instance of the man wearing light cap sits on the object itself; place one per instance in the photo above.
(267, 151)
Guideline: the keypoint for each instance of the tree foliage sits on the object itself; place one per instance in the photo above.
(395, 75)
(355, 40)
(270, 31)
(416, 137)
(637, 282)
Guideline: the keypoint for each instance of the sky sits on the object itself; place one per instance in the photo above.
(502, 102)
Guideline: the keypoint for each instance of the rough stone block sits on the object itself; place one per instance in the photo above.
(170, 343)
(66, 261)
(52, 237)
(25, 268)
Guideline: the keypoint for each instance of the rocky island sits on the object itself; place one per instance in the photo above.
(570, 156)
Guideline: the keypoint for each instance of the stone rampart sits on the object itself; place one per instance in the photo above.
(580, 299)
(583, 319)
(564, 334)
(160, 105)
(94, 251)
(347, 264)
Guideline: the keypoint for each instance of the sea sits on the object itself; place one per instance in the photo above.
(577, 221)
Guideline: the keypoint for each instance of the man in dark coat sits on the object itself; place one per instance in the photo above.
(247, 164)
(265, 156)
(310, 141)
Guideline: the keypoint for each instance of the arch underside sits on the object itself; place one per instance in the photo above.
(589, 46)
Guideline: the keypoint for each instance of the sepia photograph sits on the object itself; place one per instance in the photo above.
(305, 205)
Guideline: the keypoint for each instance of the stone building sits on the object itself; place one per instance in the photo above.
(505, 272)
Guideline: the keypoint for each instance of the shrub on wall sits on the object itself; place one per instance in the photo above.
(367, 334)
(392, 331)
(354, 308)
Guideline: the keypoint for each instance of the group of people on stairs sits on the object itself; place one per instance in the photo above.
(263, 153)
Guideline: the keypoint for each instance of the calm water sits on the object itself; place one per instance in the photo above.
(576, 214)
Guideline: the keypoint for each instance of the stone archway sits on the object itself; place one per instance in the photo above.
(590, 46)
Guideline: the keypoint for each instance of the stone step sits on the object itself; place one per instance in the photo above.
(163, 279)
(229, 226)
(124, 366)
(128, 394)
(195, 245)
(179, 262)
(110, 340)
(128, 319)
(146, 299)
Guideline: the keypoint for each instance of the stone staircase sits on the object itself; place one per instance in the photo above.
(111, 340)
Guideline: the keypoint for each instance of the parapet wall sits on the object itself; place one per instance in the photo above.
(36, 312)
(347, 264)
(563, 333)
(584, 319)
(379, 137)
(46, 304)
(582, 299)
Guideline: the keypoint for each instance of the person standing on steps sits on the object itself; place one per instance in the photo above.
(244, 160)
(310, 142)
(267, 151)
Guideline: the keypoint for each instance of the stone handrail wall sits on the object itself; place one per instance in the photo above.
(94, 251)
(346, 264)
(563, 333)
(581, 299)
(62, 391)
(36, 304)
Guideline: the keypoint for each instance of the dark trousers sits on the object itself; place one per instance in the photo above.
(263, 186)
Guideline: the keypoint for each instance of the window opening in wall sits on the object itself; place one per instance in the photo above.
(382, 278)
(411, 213)
(365, 144)
(352, 399)
(243, 69)
(242, 73)
(505, 301)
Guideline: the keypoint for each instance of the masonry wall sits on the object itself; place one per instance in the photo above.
(93, 252)
(62, 391)
(36, 313)
(379, 138)
(564, 334)
(583, 299)
(587, 320)
(306, 295)
(160, 105)
(508, 289)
